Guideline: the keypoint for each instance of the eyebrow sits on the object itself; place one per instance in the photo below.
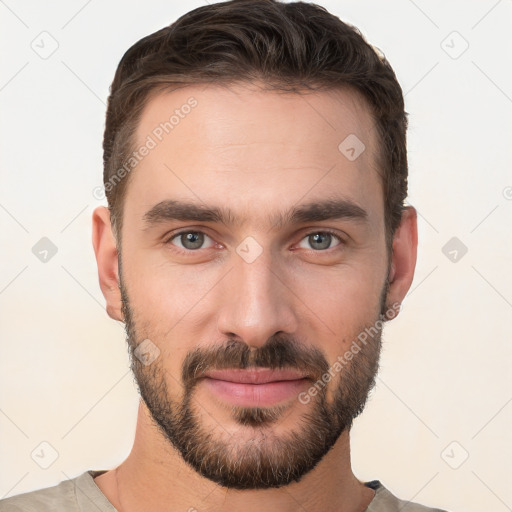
(330, 209)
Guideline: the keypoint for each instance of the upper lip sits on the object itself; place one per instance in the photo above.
(255, 375)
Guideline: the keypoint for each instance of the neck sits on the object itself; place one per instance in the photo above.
(155, 477)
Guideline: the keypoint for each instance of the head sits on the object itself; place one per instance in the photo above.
(255, 170)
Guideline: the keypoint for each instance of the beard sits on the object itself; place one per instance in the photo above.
(266, 460)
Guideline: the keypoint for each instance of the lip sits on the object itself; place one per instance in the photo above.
(258, 387)
(255, 375)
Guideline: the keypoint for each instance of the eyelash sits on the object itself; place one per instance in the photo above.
(189, 252)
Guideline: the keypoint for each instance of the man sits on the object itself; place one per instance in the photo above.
(255, 241)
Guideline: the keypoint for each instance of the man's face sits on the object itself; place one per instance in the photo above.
(259, 289)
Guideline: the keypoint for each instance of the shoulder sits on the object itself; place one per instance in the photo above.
(68, 495)
(43, 500)
(385, 501)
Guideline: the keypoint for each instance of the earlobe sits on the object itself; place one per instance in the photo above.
(403, 264)
(107, 259)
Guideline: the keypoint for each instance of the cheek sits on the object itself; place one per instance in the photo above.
(163, 290)
(343, 308)
(346, 297)
(166, 300)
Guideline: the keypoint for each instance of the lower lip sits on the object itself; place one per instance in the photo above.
(255, 395)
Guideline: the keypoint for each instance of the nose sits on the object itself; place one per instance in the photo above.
(257, 302)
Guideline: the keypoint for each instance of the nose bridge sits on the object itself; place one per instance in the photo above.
(256, 303)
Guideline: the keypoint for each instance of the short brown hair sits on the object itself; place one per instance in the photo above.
(289, 46)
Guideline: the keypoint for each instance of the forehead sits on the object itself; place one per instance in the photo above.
(249, 148)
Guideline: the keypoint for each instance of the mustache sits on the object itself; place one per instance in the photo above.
(279, 352)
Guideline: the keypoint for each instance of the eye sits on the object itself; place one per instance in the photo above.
(321, 240)
(190, 240)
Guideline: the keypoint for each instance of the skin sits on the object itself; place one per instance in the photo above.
(260, 153)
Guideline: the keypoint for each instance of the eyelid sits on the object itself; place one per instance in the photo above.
(307, 232)
(175, 234)
(332, 232)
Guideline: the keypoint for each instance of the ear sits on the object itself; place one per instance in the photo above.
(105, 248)
(403, 260)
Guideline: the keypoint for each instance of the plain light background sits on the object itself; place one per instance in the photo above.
(437, 427)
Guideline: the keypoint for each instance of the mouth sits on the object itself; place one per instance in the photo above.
(255, 387)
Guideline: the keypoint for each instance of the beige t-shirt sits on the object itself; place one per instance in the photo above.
(81, 494)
